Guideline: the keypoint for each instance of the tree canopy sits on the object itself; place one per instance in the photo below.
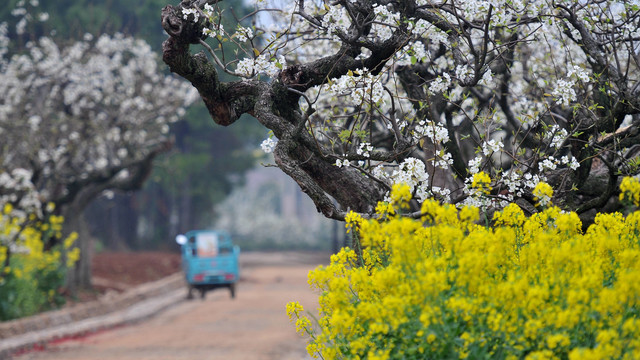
(78, 119)
(95, 115)
(440, 95)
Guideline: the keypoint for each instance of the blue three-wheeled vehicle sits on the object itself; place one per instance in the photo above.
(209, 261)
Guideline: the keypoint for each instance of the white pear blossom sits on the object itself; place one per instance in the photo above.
(341, 163)
(384, 31)
(243, 33)
(401, 125)
(440, 84)
(444, 160)
(359, 86)
(193, 12)
(437, 133)
(564, 92)
(579, 73)
(336, 20)
(268, 145)
(380, 173)
(556, 136)
(474, 164)
(492, 146)
(208, 10)
(464, 72)
(263, 64)
(487, 78)
(571, 162)
(217, 30)
(411, 171)
(547, 164)
(364, 149)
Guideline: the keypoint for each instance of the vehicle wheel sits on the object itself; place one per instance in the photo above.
(190, 293)
(232, 290)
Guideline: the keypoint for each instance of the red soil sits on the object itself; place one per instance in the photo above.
(134, 268)
(119, 271)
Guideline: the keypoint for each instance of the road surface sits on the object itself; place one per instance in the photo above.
(253, 326)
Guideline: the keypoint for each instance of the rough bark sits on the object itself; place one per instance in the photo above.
(275, 106)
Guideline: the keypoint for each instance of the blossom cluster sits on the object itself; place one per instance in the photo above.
(263, 64)
(436, 132)
(440, 84)
(551, 163)
(492, 146)
(527, 287)
(343, 162)
(464, 72)
(16, 188)
(268, 145)
(248, 67)
(335, 21)
(364, 149)
(359, 86)
(382, 29)
(556, 136)
(243, 33)
(564, 92)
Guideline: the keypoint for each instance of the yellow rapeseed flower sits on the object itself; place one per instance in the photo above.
(543, 193)
(293, 309)
(384, 209)
(630, 190)
(73, 256)
(481, 182)
(442, 287)
(400, 195)
(511, 215)
(353, 221)
(303, 325)
(8, 208)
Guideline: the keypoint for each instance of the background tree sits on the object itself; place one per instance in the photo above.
(470, 102)
(186, 182)
(81, 119)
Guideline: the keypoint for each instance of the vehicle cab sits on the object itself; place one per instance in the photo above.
(209, 261)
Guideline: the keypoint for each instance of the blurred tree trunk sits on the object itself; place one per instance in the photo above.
(185, 214)
(79, 276)
(126, 222)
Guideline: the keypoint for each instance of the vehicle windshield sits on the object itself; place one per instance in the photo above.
(207, 244)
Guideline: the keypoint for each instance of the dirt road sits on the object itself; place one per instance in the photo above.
(252, 326)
